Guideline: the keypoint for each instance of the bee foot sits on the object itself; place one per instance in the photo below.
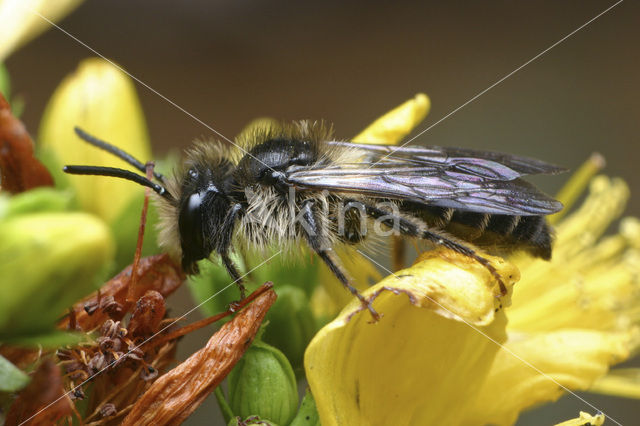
(235, 306)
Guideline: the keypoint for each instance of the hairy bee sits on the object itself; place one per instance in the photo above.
(294, 184)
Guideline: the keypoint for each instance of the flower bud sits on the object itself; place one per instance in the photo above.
(36, 200)
(102, 100)
(47, 262)
(263, 384)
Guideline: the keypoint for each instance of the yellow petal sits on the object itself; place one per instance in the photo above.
(392, 127)
(19, 20)
(588, 283)
(102, 100)
(585, 419)
(572, 358)
(623, 382)
(425, 358)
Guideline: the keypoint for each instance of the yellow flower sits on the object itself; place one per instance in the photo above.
(446, 352)
(426, 358)
(102, 100)
(19, 20)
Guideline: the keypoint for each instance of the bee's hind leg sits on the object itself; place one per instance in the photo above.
(311, 228)
(419, 230)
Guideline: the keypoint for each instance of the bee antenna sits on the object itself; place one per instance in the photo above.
(122, 174)
(115, 151)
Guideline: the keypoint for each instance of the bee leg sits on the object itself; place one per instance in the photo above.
(233, 272)
(224, 245)
(420, 230)
(311, 230)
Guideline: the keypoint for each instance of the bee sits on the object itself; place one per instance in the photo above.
(291, 184)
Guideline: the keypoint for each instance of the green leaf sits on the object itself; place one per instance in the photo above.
(12, 379)
(291, 324)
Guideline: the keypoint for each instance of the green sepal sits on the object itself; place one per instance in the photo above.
(308, 413)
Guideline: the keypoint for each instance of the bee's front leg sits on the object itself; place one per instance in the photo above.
(224, 246)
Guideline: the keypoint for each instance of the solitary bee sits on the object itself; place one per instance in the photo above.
(295, 184)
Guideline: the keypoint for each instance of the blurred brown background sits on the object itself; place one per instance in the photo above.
(227, 62)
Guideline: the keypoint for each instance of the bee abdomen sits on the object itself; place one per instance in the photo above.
(495, 232)
(508, 233)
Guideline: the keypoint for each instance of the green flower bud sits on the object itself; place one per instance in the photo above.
(263, 384)
(47, 262)
(291, 324)
(37, 200)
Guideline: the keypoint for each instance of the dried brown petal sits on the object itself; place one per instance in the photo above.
(19, 169)
(176, 394)
(147, 314)
(43, 399)
(158, 273)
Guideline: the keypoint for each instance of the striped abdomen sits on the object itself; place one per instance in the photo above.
(495, 232)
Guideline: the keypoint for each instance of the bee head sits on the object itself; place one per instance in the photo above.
(202, 210)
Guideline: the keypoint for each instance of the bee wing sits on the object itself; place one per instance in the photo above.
(467, 183)
(488, 164)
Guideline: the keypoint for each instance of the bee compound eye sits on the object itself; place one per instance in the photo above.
(190, 224)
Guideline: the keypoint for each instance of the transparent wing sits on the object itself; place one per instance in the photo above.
(470, 180)
(488, 164)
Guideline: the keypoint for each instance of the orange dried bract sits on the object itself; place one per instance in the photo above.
(43, 399)
(176, 394)
(147, 314)
(158, 273)
(19, 169)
